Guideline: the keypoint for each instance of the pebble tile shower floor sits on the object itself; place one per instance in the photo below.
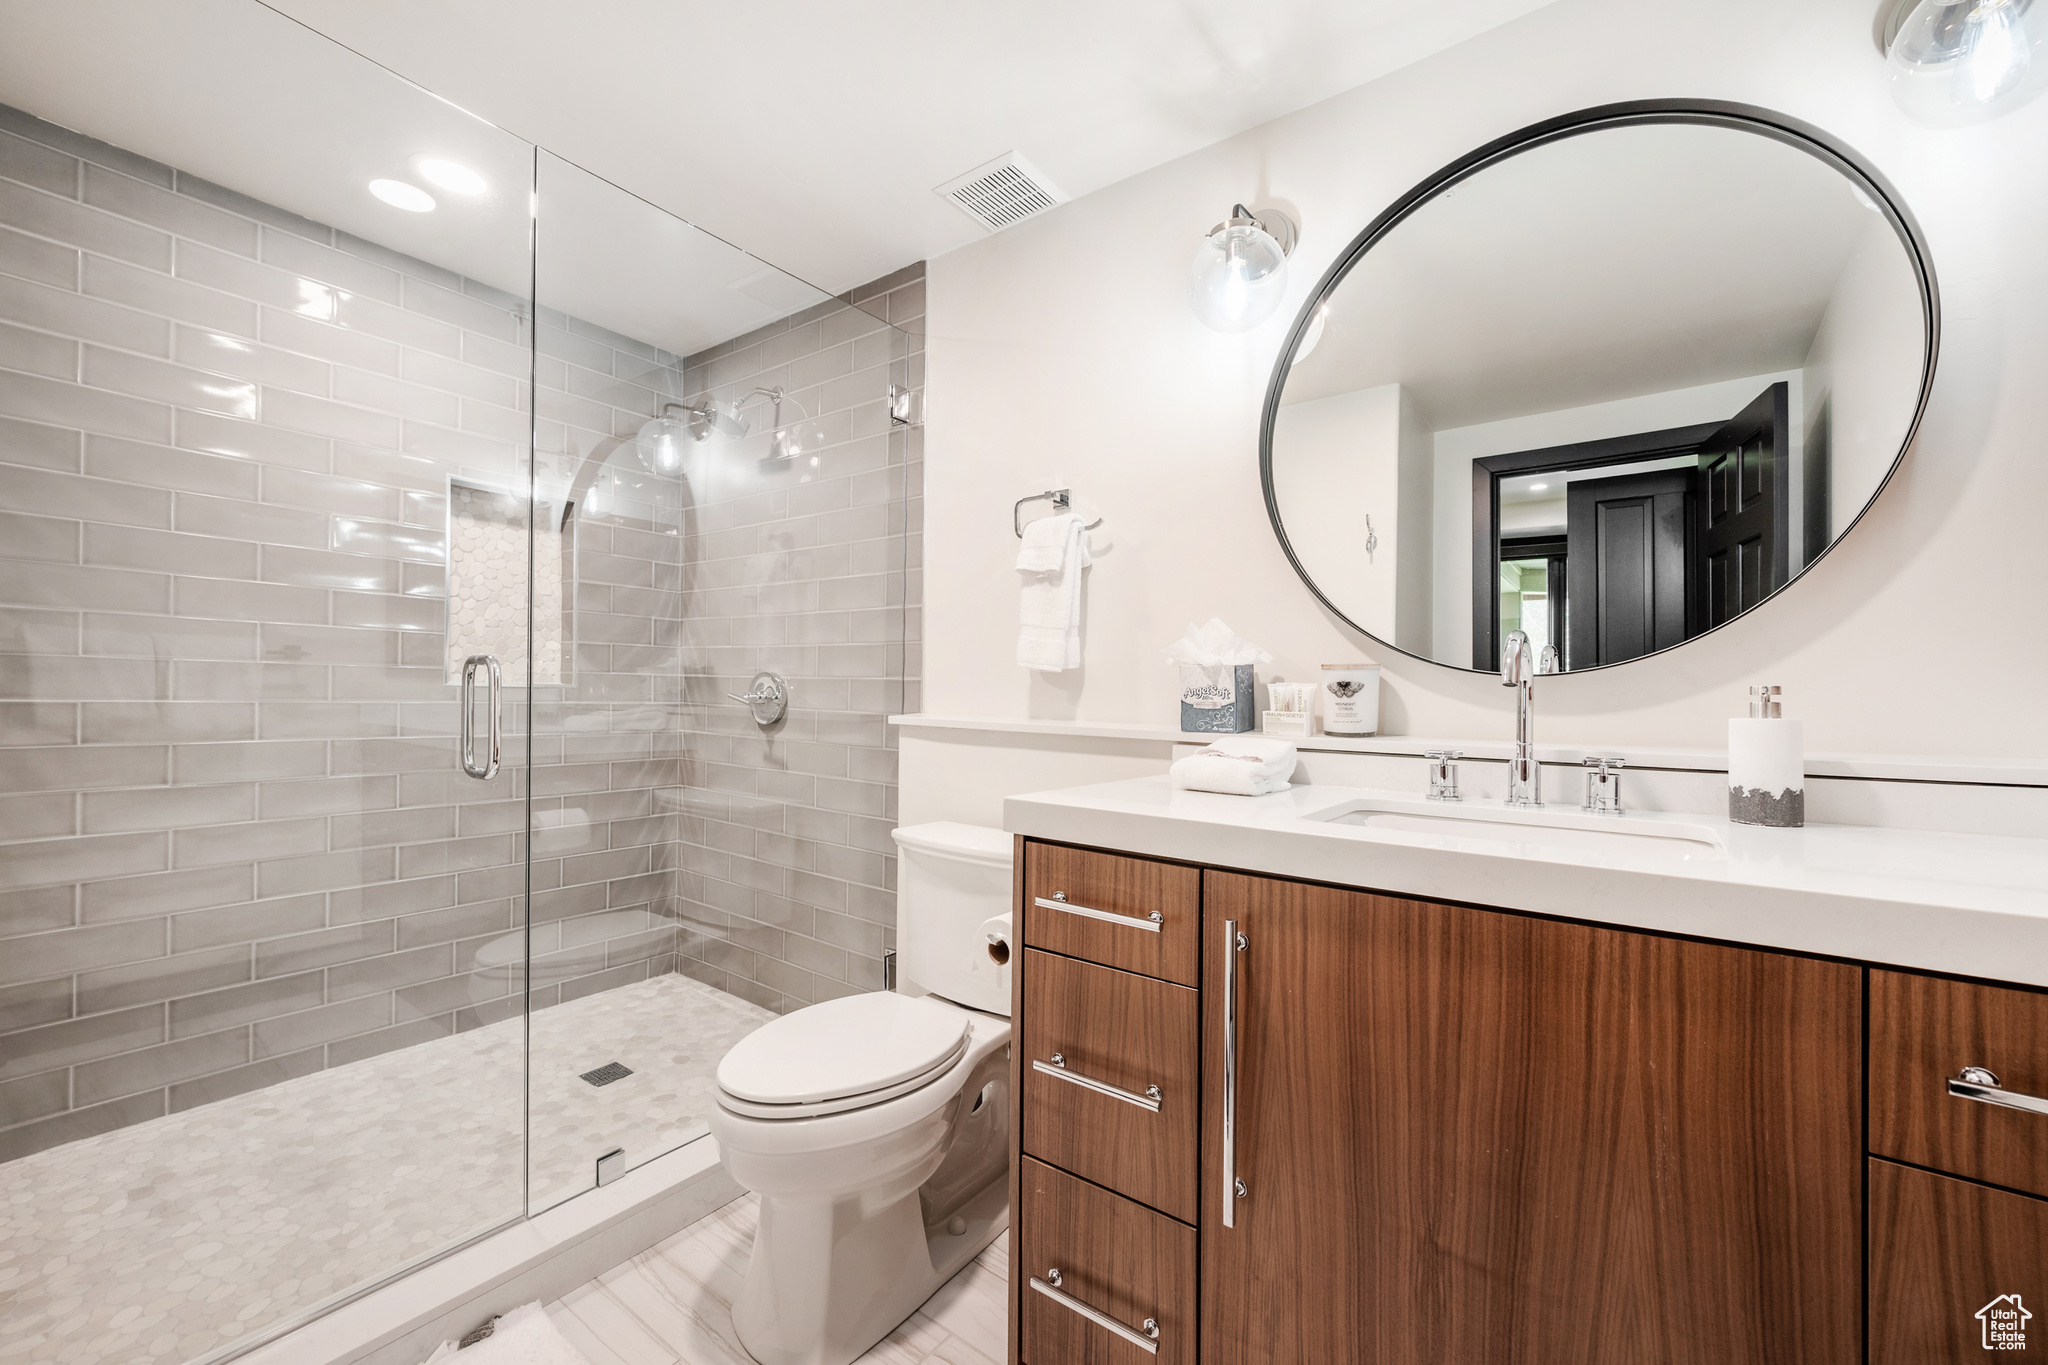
(162, 1242)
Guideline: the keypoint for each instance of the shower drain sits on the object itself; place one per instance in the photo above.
(606, 1074)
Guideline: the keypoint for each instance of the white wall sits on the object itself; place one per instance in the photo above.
(1458, 447)
(1415, 533)
(1063, 351)
(1864, 358)
(1340, 463)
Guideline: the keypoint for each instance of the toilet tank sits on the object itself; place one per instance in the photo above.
(951, 880)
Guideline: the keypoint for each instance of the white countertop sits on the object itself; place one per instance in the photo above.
(1973, 905)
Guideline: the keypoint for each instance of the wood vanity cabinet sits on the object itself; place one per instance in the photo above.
(1467, 1135)
(1473, 1136)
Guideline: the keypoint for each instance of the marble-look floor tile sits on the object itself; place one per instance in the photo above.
(972, 1306)
(673, 1303)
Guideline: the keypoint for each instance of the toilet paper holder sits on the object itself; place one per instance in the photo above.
(997, 933)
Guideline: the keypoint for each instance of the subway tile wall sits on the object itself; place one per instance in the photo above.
(236, 845)
(809, 566)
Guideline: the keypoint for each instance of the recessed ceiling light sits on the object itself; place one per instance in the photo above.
(400, 195)
(450, 176)
(1538, 487)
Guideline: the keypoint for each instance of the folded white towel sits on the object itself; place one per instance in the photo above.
(1238, 765)
(1055, 551)
(524, 1336)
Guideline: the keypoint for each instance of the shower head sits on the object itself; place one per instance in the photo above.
(708, 417)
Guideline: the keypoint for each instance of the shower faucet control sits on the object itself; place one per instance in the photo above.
(768, 698)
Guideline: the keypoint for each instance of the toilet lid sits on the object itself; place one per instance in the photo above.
(839, 1048)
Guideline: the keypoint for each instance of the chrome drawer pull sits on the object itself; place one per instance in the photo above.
(1145, 1338)
(1059, 901)
(1978, 1084)
(1058, 1067)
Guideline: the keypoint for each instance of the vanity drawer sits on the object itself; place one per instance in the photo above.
(1102, 907)
(1942, 1250)
(1116, 1034)
(1923, 1032)
(1116, 1259)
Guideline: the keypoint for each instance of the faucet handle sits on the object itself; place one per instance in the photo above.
(1443, 774)
(1603, 785)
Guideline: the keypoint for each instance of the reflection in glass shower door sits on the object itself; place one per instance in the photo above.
(264, 465)
(637, 416)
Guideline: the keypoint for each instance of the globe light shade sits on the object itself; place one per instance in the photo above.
(1239, 274)
(1956, 62)
(659, 445)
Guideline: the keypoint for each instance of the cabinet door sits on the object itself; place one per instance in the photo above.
(1956, 1269)
(1469, 1136)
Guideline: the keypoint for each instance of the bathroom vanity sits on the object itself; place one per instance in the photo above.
(1313, 1078)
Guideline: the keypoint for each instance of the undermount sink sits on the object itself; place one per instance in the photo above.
(1564, 830)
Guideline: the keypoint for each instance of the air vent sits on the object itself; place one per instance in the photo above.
(1003, 193)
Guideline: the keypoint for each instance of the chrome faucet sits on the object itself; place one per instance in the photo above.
(1517, 670)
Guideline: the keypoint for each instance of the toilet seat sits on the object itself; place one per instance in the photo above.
(842, 1054)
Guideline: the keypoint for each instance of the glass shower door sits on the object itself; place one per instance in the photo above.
(264, 487)
(720, 468)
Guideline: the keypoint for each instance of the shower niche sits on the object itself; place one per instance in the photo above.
(490, 537)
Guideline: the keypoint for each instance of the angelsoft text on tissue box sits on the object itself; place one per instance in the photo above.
(1219, 708)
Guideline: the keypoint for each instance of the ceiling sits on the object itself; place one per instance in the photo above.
(237, 94)
(811, 133)
(1611, 265)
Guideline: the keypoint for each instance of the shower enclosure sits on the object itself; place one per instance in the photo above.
(389, 510)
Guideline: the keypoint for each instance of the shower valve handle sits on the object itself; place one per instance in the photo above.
(767, 698)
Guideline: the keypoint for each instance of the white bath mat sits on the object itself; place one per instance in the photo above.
(523, 1336)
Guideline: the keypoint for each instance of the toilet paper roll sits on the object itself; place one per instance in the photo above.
(997, 933)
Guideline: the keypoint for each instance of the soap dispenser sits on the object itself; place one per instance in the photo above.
(1766, 764)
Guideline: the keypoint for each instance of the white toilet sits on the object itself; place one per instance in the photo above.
(875, 1127)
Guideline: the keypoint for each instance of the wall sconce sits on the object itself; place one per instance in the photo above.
(1955, 62)
(1240, 272)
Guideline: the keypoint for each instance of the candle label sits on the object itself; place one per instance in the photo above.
(1782, 810)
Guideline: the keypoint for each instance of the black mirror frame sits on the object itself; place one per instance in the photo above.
(1711, 113)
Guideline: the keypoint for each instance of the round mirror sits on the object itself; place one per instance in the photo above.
(1611, 381)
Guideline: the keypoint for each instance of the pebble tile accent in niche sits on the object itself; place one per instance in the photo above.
(166, 1241)
(487, 578)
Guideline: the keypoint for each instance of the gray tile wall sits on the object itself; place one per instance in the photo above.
(234, 845)
(787, 871)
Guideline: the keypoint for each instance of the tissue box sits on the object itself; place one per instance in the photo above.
(1223, 708)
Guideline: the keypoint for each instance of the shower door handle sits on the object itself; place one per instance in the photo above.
(488, 769)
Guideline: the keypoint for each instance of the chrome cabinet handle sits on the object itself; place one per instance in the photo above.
(1233, 1188)
(1058, 1067)
(1145, 1338)
(1975, 1083)
(488, 769)
(1059, 901)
